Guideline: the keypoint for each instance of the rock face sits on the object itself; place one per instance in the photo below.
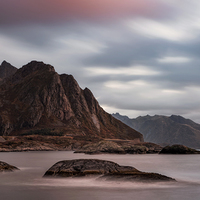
(178, 149)
(36, 97)
(107, 169)
(165, 130)
(6, 70)
(5, 167)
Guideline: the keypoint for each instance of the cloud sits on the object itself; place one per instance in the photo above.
(128, 71)
(174, 60)
(23, 11)
(168, 30)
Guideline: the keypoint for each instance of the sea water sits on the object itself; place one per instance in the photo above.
(29, 184)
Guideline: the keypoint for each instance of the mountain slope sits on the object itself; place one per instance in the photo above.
(36, 97)
(167, 130)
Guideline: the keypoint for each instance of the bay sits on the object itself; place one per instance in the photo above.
(28, 183)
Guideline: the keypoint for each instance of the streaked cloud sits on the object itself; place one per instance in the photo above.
(132, 70)
(168, 30)
(174, 60)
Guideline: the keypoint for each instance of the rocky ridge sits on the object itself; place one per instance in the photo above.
(35, 97)
(165, 130)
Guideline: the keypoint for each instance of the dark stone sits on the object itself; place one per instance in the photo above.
(6, 70)
(4, 167)
(178, 149)
(106, 170)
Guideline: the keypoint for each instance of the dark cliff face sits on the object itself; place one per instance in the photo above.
(37, 97)
(6, 70)
(165, 130)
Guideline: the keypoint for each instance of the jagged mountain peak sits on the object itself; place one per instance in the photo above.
(31, 69)
(70, 84)
(6, 69)
(38, 65)
(5, 63)
(36, 97)
(35, 66)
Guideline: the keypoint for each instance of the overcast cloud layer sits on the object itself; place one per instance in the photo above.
(137, 57)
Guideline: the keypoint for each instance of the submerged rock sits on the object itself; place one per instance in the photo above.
(6, 167)
(178, 149)
(105, 169)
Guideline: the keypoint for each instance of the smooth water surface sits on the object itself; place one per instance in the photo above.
(29, 184)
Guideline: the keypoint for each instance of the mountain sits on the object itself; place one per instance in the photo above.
(37, 98)
(6, 70)
(165, 130)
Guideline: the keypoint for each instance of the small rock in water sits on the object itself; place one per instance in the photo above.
(6, 167)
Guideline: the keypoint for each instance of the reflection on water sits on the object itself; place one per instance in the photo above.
(29, 184)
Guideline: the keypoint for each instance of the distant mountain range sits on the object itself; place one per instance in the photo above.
(165, 130)
(35, 97)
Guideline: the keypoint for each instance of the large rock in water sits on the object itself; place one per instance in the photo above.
(106, 169)
(36, 97)
(178, 149)
(5, 167)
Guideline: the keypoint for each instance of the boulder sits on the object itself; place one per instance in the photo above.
(4, 167)
(106, 170)
(178, 149)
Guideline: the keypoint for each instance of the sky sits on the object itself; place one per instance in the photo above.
(137, 57)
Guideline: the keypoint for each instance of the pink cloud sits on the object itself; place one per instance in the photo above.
(19, 11)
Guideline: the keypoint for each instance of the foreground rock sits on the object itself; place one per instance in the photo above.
(106, 169)
(178, 149)
(5, 167)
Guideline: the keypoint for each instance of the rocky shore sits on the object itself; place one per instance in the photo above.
(178, 149)
(103, 169)
(41, 143)
(88, 145)
(120, 147)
